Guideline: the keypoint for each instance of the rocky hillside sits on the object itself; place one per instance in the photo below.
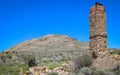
(51, 48)
(50, 43)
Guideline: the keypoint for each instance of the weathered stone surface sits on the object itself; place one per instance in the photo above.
(98, 35)
(106, 60)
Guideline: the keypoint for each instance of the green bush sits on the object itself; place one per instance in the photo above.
(52, 73)
(81, 61)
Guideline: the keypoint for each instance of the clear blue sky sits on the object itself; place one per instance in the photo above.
(22, 20)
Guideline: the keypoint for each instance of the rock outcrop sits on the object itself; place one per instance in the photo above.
(61, 70)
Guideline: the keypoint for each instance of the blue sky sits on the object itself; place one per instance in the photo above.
(22, 20)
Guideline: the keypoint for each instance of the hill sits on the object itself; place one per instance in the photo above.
(50, 43)
(49, 48)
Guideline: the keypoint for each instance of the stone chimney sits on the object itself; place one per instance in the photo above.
(98, 35)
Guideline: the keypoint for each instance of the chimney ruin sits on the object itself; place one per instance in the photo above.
(98, 34)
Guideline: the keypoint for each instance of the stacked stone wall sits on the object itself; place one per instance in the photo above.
(98, 35)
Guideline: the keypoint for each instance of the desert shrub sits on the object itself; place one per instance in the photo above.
(53, 65)
(27, 57)
(3, 57)
(100, 71)
(110, 73)
(93, 71)
(32, 63)
(86, 71)
(52, 73)
(79, 73)
(9, 56)
(81, 61)
(72, 73)
(116, 69)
